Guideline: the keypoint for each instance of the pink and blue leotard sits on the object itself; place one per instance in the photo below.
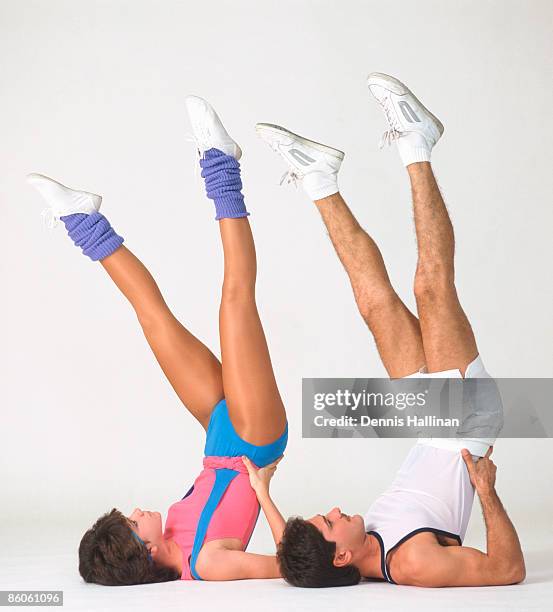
(221, 503)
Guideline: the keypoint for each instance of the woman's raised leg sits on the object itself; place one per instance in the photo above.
(251, 391)
(193, 371)
(253, 400)
(191, 368)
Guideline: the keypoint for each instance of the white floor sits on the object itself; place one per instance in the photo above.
(40, 560)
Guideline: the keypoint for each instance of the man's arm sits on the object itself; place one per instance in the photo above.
(503, 563)
(259, 479)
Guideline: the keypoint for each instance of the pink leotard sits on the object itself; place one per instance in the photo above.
(234, 517)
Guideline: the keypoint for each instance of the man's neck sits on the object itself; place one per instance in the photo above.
(368, 560)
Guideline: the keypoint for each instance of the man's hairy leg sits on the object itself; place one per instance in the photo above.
(447, 336)
(395, 329)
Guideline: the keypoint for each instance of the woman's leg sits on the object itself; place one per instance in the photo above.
(252, 395)
(191, 368)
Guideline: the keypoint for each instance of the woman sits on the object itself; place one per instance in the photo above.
(236, 400)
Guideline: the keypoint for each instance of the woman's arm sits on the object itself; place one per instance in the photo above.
(259, 480)
(224, 564)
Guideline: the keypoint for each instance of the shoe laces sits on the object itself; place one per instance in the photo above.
(391, 135)
(290, 177)
(49, 218)
(191, 138)
(388, 138)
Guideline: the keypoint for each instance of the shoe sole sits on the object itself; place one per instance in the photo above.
(277, 129)
(401, 89)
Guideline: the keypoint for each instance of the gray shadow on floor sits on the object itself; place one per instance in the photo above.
(539, 566)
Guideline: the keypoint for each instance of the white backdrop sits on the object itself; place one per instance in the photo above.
(92, 94)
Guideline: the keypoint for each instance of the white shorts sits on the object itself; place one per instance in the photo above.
(490, 410)
(475, 369)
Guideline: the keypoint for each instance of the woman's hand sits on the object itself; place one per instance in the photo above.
(260, 477)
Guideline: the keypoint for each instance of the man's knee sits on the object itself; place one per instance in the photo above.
(433, 284)
(375, 303)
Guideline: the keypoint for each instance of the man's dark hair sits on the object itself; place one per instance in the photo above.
(306, 559)
(109, 554)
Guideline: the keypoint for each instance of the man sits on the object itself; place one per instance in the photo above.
(413, 533)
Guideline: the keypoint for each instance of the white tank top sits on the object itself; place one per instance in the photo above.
(431, 492)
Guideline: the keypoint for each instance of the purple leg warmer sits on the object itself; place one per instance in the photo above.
(93, 234)
(223, 184)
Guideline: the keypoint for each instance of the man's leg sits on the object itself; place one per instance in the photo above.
(395, 329)
(446, 332)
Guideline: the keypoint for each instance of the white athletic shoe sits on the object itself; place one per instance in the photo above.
(314, 164)
(209, 132)
(413, 126)
(62, 200)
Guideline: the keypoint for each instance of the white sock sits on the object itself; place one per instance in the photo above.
(412, 148)
(318, 185)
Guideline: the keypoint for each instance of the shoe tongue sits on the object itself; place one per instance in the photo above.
(378, 92)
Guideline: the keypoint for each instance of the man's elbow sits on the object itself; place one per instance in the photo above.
(518, 574)
(513, 574)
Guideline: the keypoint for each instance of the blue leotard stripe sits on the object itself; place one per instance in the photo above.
(223, 477)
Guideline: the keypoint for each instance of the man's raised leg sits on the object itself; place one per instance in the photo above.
(447, 335)
(395, 329)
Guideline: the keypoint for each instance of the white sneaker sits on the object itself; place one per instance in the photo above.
(313, 163)
(413, 126)
(62, 200)
(209, 132)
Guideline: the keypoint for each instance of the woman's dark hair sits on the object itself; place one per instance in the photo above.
(109, 554)
(306, 559)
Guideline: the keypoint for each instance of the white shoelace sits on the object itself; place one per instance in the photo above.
(394, 132)
(388, 138)
(290, 177)
(49, 219)
(191, 138)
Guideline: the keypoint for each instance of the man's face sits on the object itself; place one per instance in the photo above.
(347, 531)
(147, 525)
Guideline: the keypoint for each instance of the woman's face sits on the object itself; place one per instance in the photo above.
(147, 525)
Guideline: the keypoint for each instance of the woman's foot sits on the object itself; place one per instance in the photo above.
(62, 200)
(209, 131)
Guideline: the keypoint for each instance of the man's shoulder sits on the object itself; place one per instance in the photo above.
(410, 561)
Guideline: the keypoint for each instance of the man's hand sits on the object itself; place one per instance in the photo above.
(482, 473)
(260, 477)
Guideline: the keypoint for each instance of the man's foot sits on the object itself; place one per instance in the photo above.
(62, 200)
(413, 126)
(314, 164)
(209, 132)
